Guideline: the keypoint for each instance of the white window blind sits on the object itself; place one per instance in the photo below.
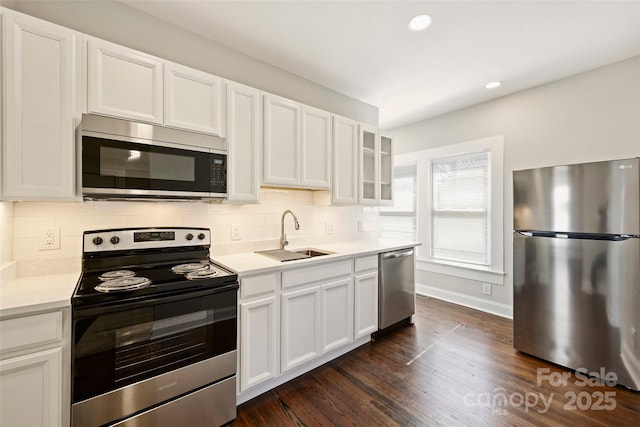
(460, 221)
(399, 222)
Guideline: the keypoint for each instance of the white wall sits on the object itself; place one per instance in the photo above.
(587, 117)
(119, 23)
(259, 225)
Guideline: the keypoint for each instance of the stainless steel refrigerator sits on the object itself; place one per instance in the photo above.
(576, 258)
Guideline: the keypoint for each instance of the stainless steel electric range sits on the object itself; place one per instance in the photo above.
(154, 331)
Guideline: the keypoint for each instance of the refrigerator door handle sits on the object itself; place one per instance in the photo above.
(586, 236)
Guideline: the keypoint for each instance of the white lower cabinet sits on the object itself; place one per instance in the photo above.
(337, 313)
(366, 296)
(31, 389)
(259, 347)
(301, 326)
(34, 371)
(294, 319)
(259, 326)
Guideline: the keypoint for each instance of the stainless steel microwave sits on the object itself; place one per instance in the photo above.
(130, 160)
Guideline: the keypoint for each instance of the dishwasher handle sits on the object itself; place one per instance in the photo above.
(397, 254)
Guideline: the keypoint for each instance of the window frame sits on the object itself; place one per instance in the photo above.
(389, 211)
(485, 213)
(494, 272)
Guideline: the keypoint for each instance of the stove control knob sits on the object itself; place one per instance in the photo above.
(97, 241)
(115, 240)
(201, 236)
(189, 236)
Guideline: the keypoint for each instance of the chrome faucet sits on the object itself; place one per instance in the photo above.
(283, 237)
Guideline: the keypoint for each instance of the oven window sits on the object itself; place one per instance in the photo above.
(119, 348)
(138, 164)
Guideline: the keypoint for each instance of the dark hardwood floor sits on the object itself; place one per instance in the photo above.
(456, 367)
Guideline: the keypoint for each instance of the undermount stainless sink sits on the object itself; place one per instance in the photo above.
(284, 255)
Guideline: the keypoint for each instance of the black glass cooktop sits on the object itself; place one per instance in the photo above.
(163, 281)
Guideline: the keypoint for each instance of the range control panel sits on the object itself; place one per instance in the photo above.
(144, 238)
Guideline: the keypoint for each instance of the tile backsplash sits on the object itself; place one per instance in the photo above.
(258, 225)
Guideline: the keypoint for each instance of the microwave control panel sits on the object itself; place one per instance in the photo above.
(218, 173)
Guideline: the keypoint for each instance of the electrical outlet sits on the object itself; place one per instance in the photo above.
(50, 238)
(328, 228)
(486, 288)
(235, 232)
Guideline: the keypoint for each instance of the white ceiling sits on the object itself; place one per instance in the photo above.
(365, 50)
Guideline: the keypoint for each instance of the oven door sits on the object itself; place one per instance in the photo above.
(114, 168)
(122, 354)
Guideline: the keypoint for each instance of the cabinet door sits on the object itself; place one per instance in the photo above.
(281, 141)
(192, 99)
(42, 107)
(243, 137)
(124, 83)
(337, 313)
(315, 149)
(31, 389)
(369, 177)
(345, 161)
(366, 303)
(300, 327)
(386, 170)
(259, 326)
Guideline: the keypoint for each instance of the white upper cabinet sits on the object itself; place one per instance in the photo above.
(376, 167)
(369, 177)
(297, 144)
(192, 99)
(42, 106)
(124, 83)
(281, 141)
(244, 138)
(386, 171)
(133, 85)
(345, 161)
(315, 149)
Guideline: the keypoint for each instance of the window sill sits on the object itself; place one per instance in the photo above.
(466, 271)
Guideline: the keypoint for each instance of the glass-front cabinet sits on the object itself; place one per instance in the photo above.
(376, 167)
(386, 170)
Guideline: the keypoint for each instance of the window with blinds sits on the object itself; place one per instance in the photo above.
(460, 217)
(399, 222)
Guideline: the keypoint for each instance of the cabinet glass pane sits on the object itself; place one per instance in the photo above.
(368, 140)
(385, 145)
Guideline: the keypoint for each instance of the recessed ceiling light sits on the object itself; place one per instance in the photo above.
(492, 85)
(420, 22)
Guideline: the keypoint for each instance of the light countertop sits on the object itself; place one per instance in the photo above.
(31, 294)
(248, 263)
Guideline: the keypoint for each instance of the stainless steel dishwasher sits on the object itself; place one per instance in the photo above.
(396, 287)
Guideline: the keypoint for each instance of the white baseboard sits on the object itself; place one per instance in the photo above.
(632, 364)
(499, 309)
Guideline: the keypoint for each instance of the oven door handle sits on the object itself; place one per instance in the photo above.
(92, 311)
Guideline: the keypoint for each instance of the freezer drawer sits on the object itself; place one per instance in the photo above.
(576, 303)
(396, 287)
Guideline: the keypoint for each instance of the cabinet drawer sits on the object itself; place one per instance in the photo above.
(257, 285)
(29, 331)
(367, 263)
(307, 275)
